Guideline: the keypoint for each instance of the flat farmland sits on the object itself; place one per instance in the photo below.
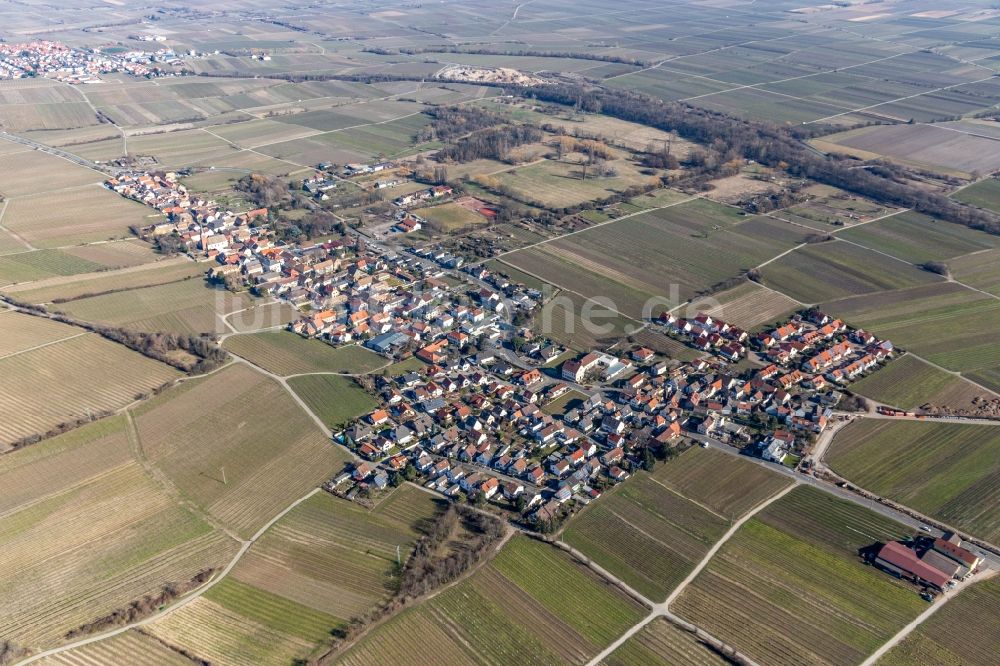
(648, 535)
(560, 184)
(829, 270)
(944, 323)
(985, 194)
(978, 269)
(683, 249)
(524, 606)
(72, 217)
(749, 305)
(55, 116)
(759, 104)
(85, 531)
(334, 556)
(40, 264)
(727, 485)
(944, 638)
(924, 146)
(789, 587)
(908, 383)
(918, 238)
(22, 174)
(267, 315)
(186, 306)
(259, 132)
(127, 648)
(117, 254)
(946, 470)
(20, 332)
(183, 148)
(667, 85)
(239, 420)
(69, 379)
(451, 217)
(336, 400)
(582, 324)
(81, 285)
(660, 643)
(285, 353)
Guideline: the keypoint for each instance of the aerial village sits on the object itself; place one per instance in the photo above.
(76, 66)
(526, 425)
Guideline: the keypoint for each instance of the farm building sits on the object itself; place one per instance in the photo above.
(903, 562)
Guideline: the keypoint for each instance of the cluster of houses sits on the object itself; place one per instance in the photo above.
(430, 193)
(931, 563)
(70, 65)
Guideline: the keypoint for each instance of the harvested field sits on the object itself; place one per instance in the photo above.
(285, 353)
(186, 306)
(72, 217)
(268, 315)
(67, 380)
(450, 217)
(85, 531)
(582, 324)
(943, 639)
(918, 238)
(336, 400)
(760, 593)
(239, 420)
(20, 175)
(81, 286)
(660, 643)
(830, 270)
(908, 383)
(749, 305)
(523, 605)
(559, 184)
(20, 332)
(119, 254)
(924, 146)
(946, 470)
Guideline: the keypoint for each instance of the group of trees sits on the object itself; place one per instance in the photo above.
(726, 138)
(313, 224)
(493, 143)
(451, 122)
(265, 191)
(535, 53)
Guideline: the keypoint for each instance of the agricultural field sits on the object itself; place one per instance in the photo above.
(336, 400)
(825, 271)
(129, 647)
(40, 264)
(523, 606)
(562, 319)
(20, 332)
(236, 444)
(325, 562)
(978, 269)
(985, 194)
(74, 373)
(560, 184)
(285, 353)
(660, 256)
(921, 146)
(944, 323)
(651, 533)
(946, 470)
(22, 169)
(660, 643)
(943, 639)
(918, 238)
(186, 306)
(267, 315)
(450, 217)
(763, 592)
(82, 285)
(908, 383)
(72, 217)
(757, 104)
(749, 305)
(85, 530)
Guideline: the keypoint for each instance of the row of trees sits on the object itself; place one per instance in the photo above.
(726, 138)
(534, 53)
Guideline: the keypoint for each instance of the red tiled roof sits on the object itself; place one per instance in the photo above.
(906, 559)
